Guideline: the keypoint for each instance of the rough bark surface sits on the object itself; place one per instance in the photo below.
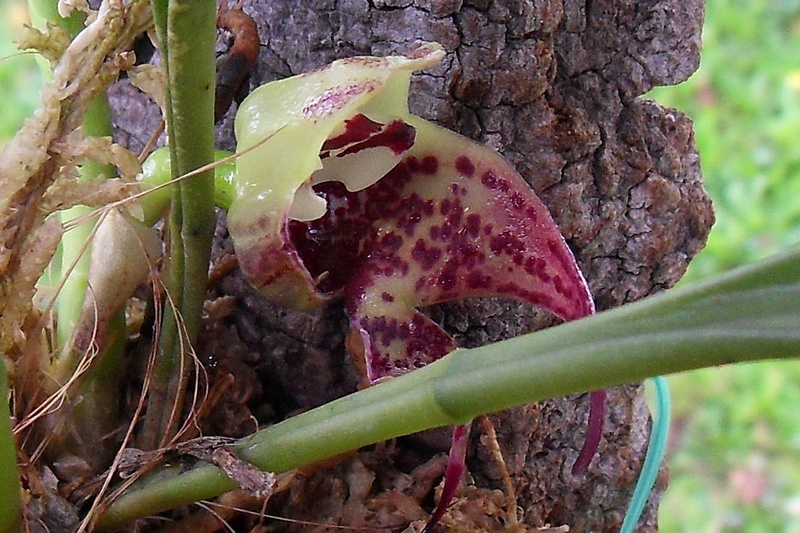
(554, 86)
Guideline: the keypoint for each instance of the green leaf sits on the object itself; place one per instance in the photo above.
(750, 314)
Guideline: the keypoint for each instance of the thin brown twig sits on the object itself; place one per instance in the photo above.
(511, 496)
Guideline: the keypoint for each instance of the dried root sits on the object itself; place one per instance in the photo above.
(41, 160)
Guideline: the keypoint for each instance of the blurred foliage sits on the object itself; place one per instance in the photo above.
(734, 454)
(745, 101)
(20, 77)
(736, 436)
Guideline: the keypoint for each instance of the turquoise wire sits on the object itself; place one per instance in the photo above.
(652, 460)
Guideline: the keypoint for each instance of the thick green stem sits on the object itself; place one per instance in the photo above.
(747, 315)
(187, 33)
(10, 505)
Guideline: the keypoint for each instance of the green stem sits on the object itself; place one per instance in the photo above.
(10, 504)
(156, 172)
(747, 315)
(187, 33)
(70, 301)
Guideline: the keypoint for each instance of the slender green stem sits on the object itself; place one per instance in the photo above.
(75, 251)
(747, 315)
(187, 32)
(10, 505)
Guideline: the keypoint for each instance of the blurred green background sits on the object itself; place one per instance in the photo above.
(20, 78)
(735, 443)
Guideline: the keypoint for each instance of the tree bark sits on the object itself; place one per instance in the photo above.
(554, 86)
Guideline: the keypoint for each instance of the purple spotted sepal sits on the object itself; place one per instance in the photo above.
(452, 220)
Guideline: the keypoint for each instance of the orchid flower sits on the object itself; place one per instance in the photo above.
(340, 192)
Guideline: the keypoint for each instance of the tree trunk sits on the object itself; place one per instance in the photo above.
(554, 86)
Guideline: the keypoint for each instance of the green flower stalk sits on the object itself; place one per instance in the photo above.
(156, 176)
(187, 32)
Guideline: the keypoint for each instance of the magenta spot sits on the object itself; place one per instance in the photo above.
(435, 232)
(518, 201)
(558, 252)
(477, 280)
(488, 229)
(456, 213)
(509, 288)
(445, 206)
(541, 299)
(506, 243)
(403, 331)
(465, 166)
(536, 266)
(361, 133)
(489, 180)
(561, 287)
(531, 266)
(447, 279)
(473, 225)
(531, 212)
(386, 297)
(429, 165)
(447, 231)
(390, 243)
(424, 255)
